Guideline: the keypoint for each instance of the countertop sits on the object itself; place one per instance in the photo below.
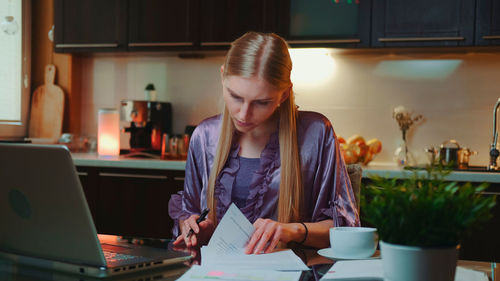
(391, 171)
(93, 160)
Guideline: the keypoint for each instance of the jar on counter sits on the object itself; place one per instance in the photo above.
(150, 92)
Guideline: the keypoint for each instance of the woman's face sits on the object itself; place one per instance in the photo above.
(250, 101)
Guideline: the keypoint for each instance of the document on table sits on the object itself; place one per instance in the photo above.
(465, 274)
(228, 273)
(283, 260)
(227, 247)
(355, 270)
(374, 270)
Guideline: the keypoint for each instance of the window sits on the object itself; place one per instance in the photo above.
(15, 61)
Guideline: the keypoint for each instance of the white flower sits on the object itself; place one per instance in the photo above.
(400, 109)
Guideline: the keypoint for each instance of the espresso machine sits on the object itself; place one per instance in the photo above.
(149, 121)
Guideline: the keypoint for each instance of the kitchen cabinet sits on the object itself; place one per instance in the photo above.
(407, 23)
(339, 23)
(129, 201)
(488, 22)
(484, 244)
(90, 26)
(160, 25)
(163, 25)
(222, 21)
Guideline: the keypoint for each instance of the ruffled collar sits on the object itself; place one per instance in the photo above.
(269, 162)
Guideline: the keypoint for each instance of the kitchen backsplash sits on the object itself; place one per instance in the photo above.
(357, 91)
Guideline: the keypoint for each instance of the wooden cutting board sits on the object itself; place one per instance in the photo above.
(47, 108)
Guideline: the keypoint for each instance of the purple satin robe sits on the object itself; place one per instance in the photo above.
(327, 188)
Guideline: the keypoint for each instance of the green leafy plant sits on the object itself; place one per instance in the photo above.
(425, 210)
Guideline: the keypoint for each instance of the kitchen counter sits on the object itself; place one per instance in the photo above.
(391, 171)
(93, 160)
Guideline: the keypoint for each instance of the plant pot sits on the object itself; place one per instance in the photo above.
(418, 264)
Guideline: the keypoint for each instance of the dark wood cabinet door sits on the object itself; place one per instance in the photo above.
(488, 22)
(483, 243)
(161, 24)
(330, 23)
(135, 202)
(90, 25)
(130, 202)
(406, 23)
(222, 21)
(89, 182)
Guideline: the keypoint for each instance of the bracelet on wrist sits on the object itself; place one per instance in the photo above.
(305, 234)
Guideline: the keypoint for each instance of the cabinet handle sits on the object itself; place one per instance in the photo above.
(84, 174)
(179, 178)
(110, 45)
(491, 193)
(491, 37)
(215, 43)
(420, 39)
(133, 176)
(160, 44)
(332, 41)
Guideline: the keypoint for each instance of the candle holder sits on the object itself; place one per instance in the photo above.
(108, 132)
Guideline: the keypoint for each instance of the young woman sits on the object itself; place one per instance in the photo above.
(282, 167)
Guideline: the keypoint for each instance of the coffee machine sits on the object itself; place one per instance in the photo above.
(149, 121)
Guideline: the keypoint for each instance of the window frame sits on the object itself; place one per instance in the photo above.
(19, 129)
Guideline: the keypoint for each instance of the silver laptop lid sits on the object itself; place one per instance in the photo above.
(43, 210)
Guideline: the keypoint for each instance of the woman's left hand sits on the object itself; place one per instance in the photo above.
(267, 234)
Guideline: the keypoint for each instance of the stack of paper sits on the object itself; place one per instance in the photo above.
(226, 273)
(224, 258)
(283, 260)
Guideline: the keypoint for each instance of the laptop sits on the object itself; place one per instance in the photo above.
(45, 220)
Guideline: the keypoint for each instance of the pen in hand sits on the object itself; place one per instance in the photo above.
(202, 217)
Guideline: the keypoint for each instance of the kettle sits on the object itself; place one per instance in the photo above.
(450, 154)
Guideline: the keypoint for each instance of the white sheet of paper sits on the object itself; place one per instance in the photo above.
(355, 269)
(362, 269)
(227, 247)
(232, 234)
(229, 273)
(283, 260)
(465, 274)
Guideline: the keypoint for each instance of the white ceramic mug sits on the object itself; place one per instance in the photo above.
(353, 242)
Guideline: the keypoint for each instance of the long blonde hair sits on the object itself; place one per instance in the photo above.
(265, 56)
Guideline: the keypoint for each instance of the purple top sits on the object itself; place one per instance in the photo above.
(327, 188)
(246, 172)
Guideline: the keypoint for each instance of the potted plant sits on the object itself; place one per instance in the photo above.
(421, 221)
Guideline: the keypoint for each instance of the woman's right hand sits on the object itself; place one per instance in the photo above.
(201, 232)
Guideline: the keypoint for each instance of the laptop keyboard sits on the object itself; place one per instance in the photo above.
(116, 257)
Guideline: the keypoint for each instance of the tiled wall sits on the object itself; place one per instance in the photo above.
(455, 91)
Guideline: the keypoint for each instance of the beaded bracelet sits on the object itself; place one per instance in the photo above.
(305, 236)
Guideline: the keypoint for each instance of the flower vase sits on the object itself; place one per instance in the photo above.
(402, 156)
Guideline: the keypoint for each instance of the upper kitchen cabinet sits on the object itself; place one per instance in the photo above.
(222, 21)
(407, 23)
(90, 25)
(161, 24)
(331, 23)
(488, 22)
